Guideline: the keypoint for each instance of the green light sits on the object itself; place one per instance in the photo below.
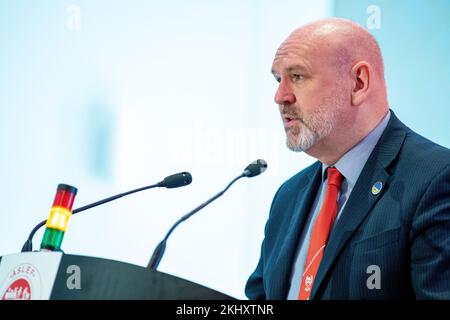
(52, 239)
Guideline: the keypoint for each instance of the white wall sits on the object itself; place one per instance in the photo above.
(136, 91)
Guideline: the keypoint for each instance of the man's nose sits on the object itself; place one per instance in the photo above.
(284, 94)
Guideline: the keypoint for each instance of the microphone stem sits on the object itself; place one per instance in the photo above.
(120, 195)
(28, 246)
(159, 251)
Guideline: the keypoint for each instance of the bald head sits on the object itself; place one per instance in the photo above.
(344, 41)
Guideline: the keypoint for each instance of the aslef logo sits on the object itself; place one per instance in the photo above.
(22, 283)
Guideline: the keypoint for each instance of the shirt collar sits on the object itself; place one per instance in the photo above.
(351, 163)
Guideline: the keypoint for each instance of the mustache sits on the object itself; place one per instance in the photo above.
(287, 112)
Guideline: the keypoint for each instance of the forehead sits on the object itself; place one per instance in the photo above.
(296, 53)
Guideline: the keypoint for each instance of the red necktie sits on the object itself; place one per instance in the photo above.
(320, 232)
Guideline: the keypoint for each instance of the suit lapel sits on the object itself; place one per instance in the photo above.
(305, 195)
(362, 199)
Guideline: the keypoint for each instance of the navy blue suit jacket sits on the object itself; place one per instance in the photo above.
(404, 230)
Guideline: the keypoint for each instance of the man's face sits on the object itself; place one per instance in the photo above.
(309, 95)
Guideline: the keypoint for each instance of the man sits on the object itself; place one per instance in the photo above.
(371, 218)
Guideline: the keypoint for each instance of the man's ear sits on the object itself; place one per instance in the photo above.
(361, 77)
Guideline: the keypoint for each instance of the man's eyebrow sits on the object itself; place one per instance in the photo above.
(293, 68)
(297, 67)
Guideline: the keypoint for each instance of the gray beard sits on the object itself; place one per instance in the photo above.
(306, 138)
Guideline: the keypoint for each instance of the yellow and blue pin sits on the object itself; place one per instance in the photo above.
(376, 188)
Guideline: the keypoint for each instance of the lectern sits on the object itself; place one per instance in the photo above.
(58, 276)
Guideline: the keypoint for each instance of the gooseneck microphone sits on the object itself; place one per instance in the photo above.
(173, 181)
(253, 169)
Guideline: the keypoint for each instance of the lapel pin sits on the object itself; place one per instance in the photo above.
(376, 188)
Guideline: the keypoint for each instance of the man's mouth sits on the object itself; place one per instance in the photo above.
(289, 120)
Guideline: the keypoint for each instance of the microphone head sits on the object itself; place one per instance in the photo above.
(255, 168)
(177, 180)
